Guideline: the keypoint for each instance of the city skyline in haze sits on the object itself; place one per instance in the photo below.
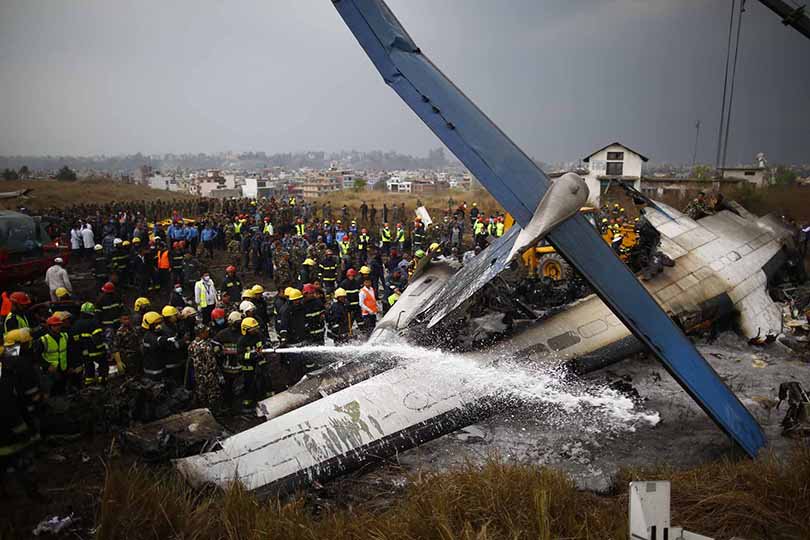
(560, 78)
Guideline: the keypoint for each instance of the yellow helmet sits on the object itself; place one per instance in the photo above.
(248, 293)
(61, 292)
(365, 270)
(434, 246)
(340, 292)
(169, 311)
(248, 323)
(292, 293)
(257, 289)
(309, 262)
(151, 318)
(18, 336)
(136, 240)
(125, 243)
(141, 303)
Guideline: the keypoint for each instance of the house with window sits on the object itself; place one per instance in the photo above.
(753, 175)
(612, 163)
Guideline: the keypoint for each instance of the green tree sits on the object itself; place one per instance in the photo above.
(784, 176)
(701, 173)
(66, 174)
(359, 184)
(10, 174)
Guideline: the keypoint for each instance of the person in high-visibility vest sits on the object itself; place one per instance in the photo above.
(368, 305)
(237, 229)
(499, 227)
(399, 236)
(17, 317)
(300, 228)
(52, 349)
(479, 231)
(385, 238)
(268, 227)
(164, 267)
(205, 296)
(363, 241)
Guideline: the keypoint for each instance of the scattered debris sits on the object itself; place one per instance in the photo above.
(54, 525)
(797, 418)
(174, 437)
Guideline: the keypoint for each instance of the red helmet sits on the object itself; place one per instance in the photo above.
(351, 272)
(108, 287)
(20, 298)
(309, 288)
(346, 238)
(399, 225)
(181, 244)
(230, 269)
(218, 313)
(267, 218)
(176, 245)
(54, 320)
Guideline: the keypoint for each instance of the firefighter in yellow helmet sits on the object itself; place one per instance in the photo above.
(254, 365)
(152, 345)
(173, 345)
(339, 319)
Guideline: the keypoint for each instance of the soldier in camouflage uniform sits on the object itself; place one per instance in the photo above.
(127, 346)
(698, 207)
(202, 354)
(282, 275)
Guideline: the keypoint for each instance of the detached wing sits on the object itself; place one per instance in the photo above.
(518, 184)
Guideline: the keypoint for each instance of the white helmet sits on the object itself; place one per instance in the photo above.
(246, 306)
(235, 316)
(117, 242)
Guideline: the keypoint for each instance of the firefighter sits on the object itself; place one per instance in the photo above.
(52, 350)
(173, 345)
(352, 288)
(339, 319)
(228, 339)
(231, 283)
(306, 273)
(327, 271)
(313, 310)
(154, 364)
(19, 398)
(386, 238)
(418, 235)
(110, 308)
(363, 241)
(249, 349)
(399, 237)
(64, 302)
(291, 319)
(92, 344)
(101, 267)
(140, 307)
(17, 318)
(261, 305)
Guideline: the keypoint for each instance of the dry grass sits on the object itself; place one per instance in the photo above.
(52, 193)
(756, 499)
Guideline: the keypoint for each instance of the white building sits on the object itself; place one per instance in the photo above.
(612, 163)
(397, 184)
(754, 174)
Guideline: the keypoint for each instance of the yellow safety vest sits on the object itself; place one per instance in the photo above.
(479, 228)
(268, 227)
(203, 297)
(499, 229)
(401, 235)
(237, 227)
(300, 228)
(386, 235)
(55, 352)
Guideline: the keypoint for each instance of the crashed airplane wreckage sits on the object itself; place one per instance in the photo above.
(362, 410)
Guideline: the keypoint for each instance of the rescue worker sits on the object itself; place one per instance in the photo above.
(392, 299)
(75, 360)
(176, 297)
(154, 363)
(368, 305)
(19, 397)
(327, 271)
(499, 227)
(306, 273)
(52, 350)
(64, 302)
(218, 320)
(110, 309)
(313, 310)
(399, 237)
(256, 379)
(363, 241)
(480, 232)
(228, 339)
(172, 345)
(352, 288)
(93, 346)
(386, 238)
(231, 283)
(418, 235)
(101, 268)
(202, 356)
(205, 296)
(339, 319)
(17, 317)
(163, 264)
(261, 305)
(126, 348)
(141, 306)
(56, 277)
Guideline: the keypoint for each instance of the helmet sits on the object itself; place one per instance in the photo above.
(247, 293)
(351, 272)
(141, 302)
(175, 245)
(88, 307)
(230, 269)
(108, 287)
(151, 318)
(17, 336)
(217, 313)
(61, 292)
(309, 262)
(340, 292)
(117, 242)
(136, 240)
(248, 324)
(292, 293)
(63, 315)
(125, 243)
(257, 289)
(20, 298)
(54, 320)
(434, 246)
(58, 260)
(419, 253)
(365, 270)
(169, 311)
(98, 247)
(246, 306)
(399, 225)
(235, 316)
(308, 288)
(187, 311)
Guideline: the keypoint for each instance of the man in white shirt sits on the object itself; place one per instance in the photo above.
(88, 239)
(76, 240)
(57, 277)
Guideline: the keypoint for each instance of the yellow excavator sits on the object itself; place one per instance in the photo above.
(544, 261)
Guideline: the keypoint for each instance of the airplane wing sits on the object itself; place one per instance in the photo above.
(14, 194)
(519, 185)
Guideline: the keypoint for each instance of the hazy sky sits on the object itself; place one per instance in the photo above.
(561, 77)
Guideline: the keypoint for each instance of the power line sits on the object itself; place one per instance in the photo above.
(725, 87)
(733, 76)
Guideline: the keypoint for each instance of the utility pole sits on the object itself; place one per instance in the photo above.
(697, 136)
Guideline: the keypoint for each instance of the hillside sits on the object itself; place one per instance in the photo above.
(52, 193)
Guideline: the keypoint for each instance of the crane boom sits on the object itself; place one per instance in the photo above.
(795, 17)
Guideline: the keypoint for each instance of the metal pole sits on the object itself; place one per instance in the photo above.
(725, 88)
(733, 76)
(697, 135)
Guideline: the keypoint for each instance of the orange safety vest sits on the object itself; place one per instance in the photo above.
(163, 260)
(370, 301)
(5, 307)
